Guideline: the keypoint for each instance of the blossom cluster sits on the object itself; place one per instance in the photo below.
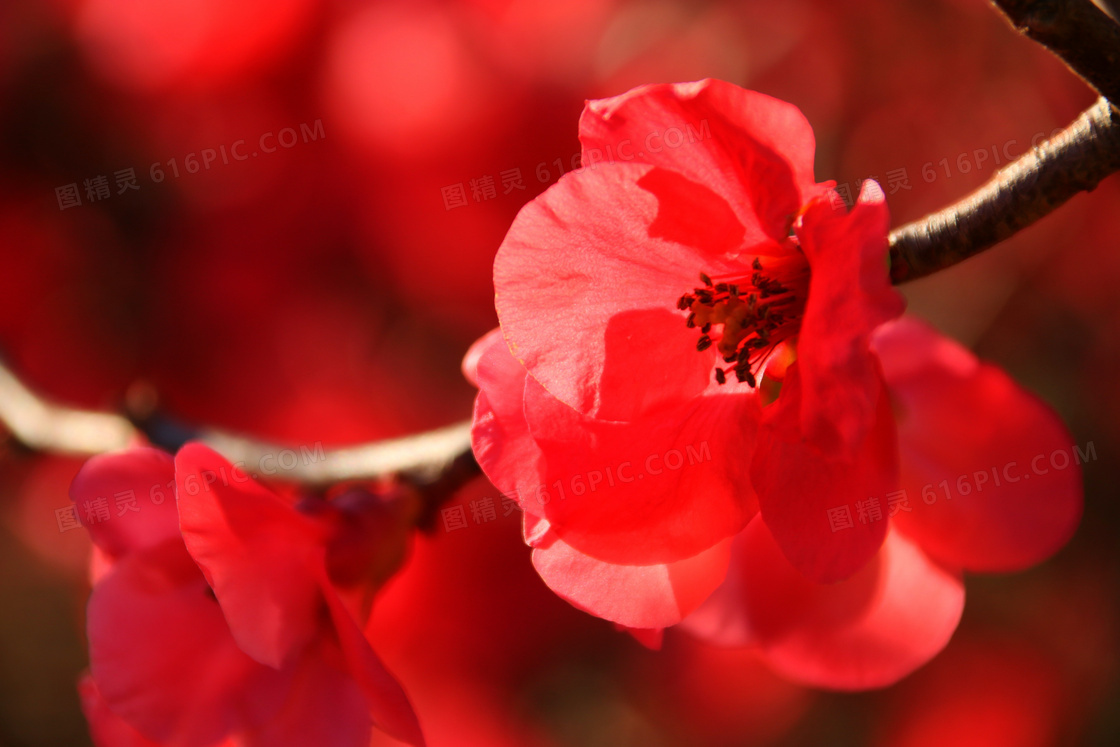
(230, 615)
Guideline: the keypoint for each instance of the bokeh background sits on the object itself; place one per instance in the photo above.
(302, 251)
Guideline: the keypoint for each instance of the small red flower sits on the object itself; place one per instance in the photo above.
(696, 346)
(220, 619)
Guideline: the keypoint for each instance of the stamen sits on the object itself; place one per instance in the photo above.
(747, 317)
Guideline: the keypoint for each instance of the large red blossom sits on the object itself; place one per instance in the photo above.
(695, 346)
(215, 616)
(609, 283)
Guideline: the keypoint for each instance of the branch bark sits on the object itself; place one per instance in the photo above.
(1076, 160)
(1034, 185)
(437, 462)
(1082, 35)
(44, 426)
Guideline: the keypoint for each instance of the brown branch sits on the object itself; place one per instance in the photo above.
(1076, 160)
(1078, 32)
(1035, 184)
(422, 458)
(43, 426)
(437, 462)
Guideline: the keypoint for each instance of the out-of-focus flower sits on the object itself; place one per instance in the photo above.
(226, 618)
(401, 78)
(636, 465)
(151, 45)
(984, 692)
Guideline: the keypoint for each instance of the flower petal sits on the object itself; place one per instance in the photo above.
(867, 631)
(634, 596)
(586, 287)
(1010, 467)
(163, 657)
(500, 435)
(324, 706)
(258, 554)
(754, 150)
(849, 296)
(658, 490)
(385, 698)
(803, 492)
(476, 351)
(130, 483)
(106, 728)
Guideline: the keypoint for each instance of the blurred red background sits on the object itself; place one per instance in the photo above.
(282, 216)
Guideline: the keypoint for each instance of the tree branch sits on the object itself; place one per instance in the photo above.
(1034, 185)
(43, 426)
(1076, 160)
(1078, 32)
(436, 463)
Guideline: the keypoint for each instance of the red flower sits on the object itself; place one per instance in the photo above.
(644, 418)
(221, 619)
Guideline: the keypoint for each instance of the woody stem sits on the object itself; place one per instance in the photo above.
(1039, 181)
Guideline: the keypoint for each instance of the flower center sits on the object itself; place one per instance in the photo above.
(746, 317)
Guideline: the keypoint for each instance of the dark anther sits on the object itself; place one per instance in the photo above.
(721, 377)
(705, 279)
(744, 374)
(706, 328)
(703, 343)
(757, 265)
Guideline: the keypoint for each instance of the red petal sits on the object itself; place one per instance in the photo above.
(867, 631)
(325, 706)
(849, 296)
(163, 657)
(106, 728)
(634, 596)
(587, 293)
(258, 554)
(754, 150)
(1009, 465)
(661, 489)
(474, 354)
(136, 477)
(799, 485)
(386, 700)
(500, 436)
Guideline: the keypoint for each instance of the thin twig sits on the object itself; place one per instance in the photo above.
(1034, 185)
(1078, 32)
(433, 462)
(423, 457)
(44, 426)
(1076, 160)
